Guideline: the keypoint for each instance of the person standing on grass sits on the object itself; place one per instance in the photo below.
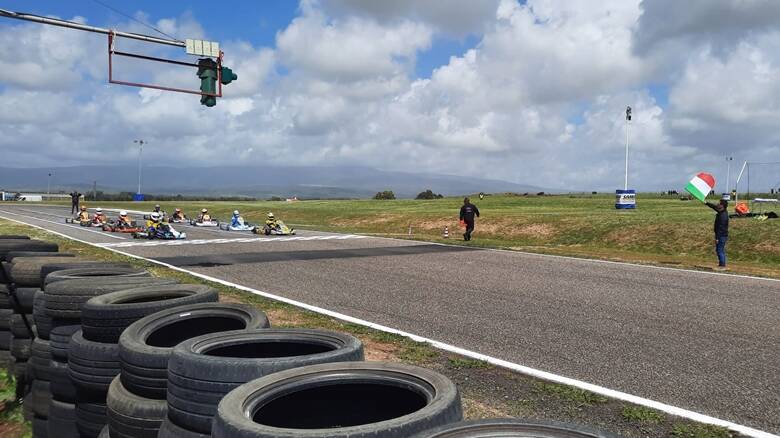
(467, 214)
(75, 198)
(721, 231)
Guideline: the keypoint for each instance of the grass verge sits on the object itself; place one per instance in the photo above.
(487, 391)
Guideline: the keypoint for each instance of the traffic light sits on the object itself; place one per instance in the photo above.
(207, 72)
(228, 76)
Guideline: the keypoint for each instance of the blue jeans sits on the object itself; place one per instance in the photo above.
(720, 249)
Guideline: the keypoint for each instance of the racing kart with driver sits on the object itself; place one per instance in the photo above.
(276, 227)
(204, 219)
(237, 223)
(157, 229)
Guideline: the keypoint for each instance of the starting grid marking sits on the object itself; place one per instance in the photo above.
(220, 241)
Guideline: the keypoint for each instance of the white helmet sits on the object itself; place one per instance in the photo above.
(98, 210)
(235, 213)
(155, 216)
(123, 213)
(205, 210)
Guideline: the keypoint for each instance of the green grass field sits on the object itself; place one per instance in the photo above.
(662, 230)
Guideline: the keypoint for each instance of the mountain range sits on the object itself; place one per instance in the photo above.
(305, 182)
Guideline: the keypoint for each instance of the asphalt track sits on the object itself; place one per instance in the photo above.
(705, 342)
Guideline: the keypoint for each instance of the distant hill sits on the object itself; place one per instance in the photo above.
(259, 182)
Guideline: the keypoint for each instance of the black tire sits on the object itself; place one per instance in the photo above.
(11, 255)
(203, 369)
(405, 400)
(65, 298)
(25, 296)
(40, 359)
(26, 271)
(19, 329)
(59, 340)
(104, 433)
(504, 427)
(92, 366)
(62, 387)
(5, 359)
(105, 317)
(27, 410)
(14, 236)
(5, 319)
(20, 348)
(5, 340)
(148, 342)
(171, 430)
(58, 272)
(90, 418)
(62, 420)
(43, 322)
(5, 299)
(40, 427)
(133, 415)
(25, 245)
(41, 396)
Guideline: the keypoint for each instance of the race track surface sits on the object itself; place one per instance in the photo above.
(704, 342)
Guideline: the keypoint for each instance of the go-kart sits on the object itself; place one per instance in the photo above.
(240, 226)
(116, 227)
(278, 229)
(205, 221)
(177, 220)
(165, 232)
(85, 223)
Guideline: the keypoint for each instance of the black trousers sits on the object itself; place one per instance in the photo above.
(469, 230)
(74, 207)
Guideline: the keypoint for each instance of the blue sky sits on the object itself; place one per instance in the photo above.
(528, 91)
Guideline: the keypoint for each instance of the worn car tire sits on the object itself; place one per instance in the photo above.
(92, 366)
(62, 387)
(5, 340)
(25, 297)
(59, 340)
(203, 369)
(19, 329)
(148, 342)
(40, 359)
(58, 272)
(170, 430)
(26, 271)
(41, 396)
(40, 427)
(105, 317)
(405, 400)
(65, 298)
(90, 418)
(20, 348)
(505, 427)
(132, 415)
(5, 319)
(14, 236)
(62, 420)
(8, 245)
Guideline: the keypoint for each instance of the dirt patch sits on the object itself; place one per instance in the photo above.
(285, 318)
(768, 248)
(11, 430)
(379, 351)
(538, 231)
(477, 410)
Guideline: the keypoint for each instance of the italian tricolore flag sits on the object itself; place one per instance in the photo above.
(701, 185)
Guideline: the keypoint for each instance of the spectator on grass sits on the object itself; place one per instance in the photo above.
(467, 216)
(721, 231)
(75, 198)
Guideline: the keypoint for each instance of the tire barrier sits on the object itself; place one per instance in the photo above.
(146, 345)
(405, 400)
(505, 427)
(203, 369)
(105, 317)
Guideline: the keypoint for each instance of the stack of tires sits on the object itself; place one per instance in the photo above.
(81, 370)
(202, 370)
(138, 405)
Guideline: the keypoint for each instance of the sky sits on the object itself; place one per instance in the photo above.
(529, 91)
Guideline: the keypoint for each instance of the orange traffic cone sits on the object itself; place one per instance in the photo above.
(446, 232)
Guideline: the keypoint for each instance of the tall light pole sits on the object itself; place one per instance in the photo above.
(628, 124)
(728, 174)
(48, 185)
(141, 144)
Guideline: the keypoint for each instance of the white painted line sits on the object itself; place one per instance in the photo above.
(145, 243)
(76, 227)
(673, 410)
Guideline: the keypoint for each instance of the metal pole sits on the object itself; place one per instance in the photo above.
(628, 124)
(728, 174)
(48, 185)
(84, 27)
(140, 153)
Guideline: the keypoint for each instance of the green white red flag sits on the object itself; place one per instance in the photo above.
(701, 185)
